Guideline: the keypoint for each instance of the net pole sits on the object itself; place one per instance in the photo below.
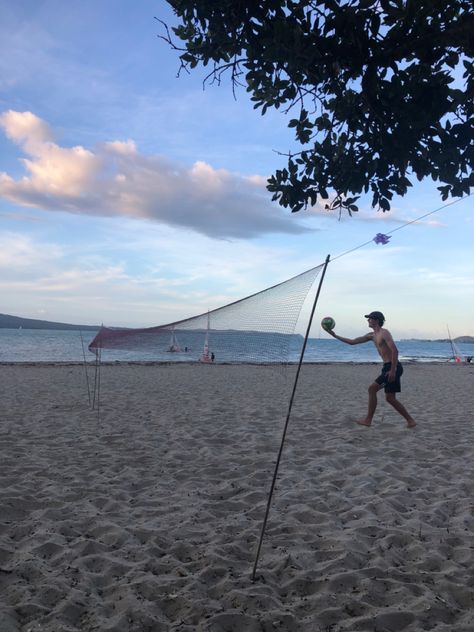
(98, 386)
(95, 377)
(85, 368)
(290, 406)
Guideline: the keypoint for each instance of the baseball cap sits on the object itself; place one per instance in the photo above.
(376, 315)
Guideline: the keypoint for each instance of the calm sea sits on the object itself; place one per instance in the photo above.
(34, 345)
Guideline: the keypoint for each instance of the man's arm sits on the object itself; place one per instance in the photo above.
(351, 341)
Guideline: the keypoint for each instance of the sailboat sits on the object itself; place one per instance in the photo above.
(174, 345)
(457, 355)
(206, 357)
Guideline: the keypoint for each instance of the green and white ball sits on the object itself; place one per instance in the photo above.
(328, 323)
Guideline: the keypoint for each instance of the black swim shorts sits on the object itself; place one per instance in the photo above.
(390, 387)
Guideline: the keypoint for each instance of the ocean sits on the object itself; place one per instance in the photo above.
(35, 345)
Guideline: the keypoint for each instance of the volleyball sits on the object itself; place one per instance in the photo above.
(328, 323)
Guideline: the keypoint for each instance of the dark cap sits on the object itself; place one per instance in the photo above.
(376, 316)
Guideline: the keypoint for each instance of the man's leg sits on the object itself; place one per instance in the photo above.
(400, 408)
(373, 390)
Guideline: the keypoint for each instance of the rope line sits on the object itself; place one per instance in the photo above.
(413, 221)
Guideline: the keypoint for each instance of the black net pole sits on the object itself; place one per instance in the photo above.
(98, 385)
(96, 373)
(85, 369)
(290, 406)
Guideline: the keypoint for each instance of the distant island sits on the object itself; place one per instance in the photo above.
(463, 339)
(7, 321)
(16, 322)
(469, 339)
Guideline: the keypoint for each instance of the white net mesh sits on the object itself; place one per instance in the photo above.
(256, 329)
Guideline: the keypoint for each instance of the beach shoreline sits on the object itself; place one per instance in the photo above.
(151, 363)
(145, 515)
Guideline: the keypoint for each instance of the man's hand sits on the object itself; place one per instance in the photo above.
(391, 375)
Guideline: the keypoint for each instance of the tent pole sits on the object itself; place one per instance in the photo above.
(290, 406)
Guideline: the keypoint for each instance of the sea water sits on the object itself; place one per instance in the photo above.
(37, 345)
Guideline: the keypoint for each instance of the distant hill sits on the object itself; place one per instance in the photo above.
(458, 339)
(463, 339)
(15, 322)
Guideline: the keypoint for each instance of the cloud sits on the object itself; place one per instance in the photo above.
(27, 129)
(115, 179)
(19, 252)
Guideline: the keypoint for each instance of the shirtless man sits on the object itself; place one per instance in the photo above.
(392, 370)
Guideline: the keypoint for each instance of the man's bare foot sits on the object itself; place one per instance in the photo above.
(363, 422)
(411, 423)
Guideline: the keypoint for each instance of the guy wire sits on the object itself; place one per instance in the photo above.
(413, 221)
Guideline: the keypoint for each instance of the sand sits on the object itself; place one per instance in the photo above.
(147, 516)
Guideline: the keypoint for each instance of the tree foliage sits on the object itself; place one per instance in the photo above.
(379, 91)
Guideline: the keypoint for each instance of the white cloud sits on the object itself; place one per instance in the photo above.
(154, 276)
(115, 179)
(27, 129)
(21, 252)
(126, 148)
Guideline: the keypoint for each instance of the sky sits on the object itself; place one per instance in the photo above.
(130, 196)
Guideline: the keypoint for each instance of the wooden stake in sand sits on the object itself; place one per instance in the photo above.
(290, 405)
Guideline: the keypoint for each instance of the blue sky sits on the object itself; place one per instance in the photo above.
(132, 197)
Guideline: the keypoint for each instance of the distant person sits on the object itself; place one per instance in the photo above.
(213, 357)
(392, 370)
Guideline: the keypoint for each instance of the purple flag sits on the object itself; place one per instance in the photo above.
(380, 238)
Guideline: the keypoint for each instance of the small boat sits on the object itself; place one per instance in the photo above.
(457, 355)
(174, 345)
(206, 357)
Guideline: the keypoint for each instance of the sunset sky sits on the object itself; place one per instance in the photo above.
(129, 196)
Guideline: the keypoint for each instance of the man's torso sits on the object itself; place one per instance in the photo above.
(379, 340)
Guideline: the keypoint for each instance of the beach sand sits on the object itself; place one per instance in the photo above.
(147, 517)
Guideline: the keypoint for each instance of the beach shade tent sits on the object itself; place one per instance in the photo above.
(259, 328)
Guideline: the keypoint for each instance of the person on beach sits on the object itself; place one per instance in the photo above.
(392, 370)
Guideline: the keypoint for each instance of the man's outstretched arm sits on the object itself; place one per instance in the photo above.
(351, 341)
